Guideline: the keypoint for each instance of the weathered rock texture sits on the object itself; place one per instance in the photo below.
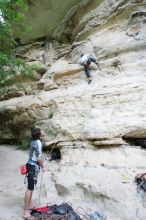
(43, 17)
(85, 117)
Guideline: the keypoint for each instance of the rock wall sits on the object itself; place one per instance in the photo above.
(43, 17)
(93, 122)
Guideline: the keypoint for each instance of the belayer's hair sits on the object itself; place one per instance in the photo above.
(82, 55)
(36, 133)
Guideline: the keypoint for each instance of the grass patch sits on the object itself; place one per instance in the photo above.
(2, 91)
(23, 144)
(50, 115)
(25, 74)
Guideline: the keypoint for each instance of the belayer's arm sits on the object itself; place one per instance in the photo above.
(48, 143)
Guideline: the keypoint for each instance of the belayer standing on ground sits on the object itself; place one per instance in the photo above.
(33, 166)
(86, 60)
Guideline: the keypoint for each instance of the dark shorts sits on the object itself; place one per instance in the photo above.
(31, 176)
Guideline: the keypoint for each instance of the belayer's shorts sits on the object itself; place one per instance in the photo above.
(31, 177)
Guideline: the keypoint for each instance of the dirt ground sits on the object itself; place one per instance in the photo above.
(118, 185)
(12, 186)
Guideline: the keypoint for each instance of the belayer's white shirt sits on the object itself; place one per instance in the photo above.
(35, 150)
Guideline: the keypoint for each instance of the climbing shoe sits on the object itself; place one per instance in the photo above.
(90, 80)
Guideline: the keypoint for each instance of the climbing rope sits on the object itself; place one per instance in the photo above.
(85, 214)
(63, 211)
(40, 188)
(42, 174)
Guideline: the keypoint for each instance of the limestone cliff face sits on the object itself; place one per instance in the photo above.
(92, 121)
(43, 18)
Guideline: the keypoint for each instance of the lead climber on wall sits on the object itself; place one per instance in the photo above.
(86, 60)
(33, 165)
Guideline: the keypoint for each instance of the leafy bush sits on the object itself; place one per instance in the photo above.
(14, 70)
(12, 11)
(23, 144)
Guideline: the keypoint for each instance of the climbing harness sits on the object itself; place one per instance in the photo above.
(23, 169)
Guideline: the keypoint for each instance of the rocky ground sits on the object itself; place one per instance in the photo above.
(98, 179)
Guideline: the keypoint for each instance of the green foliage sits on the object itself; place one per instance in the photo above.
(2, 91)
(50, 115)
(12, 11)
(13, 71)
(23, 144)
